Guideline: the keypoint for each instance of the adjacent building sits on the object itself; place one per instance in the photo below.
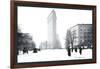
(82, 35)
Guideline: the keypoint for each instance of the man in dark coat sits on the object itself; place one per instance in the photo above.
(69, 51)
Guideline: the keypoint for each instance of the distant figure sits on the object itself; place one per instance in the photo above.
(80, 50)
(69, 51)
(75, 49)
(17, 51)
(72, 49)
(39, 49)
(25, 50)
(34, 50)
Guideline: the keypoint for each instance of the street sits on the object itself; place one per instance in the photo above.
(53, 55)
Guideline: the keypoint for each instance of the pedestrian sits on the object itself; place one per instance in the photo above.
(35, 50)
(17, 51)
(80, 50)
(72, 49)
(25, 50)
(69, 51)
(75, 49)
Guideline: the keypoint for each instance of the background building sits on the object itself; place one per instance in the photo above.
(52, 35)
(82, 35)
(43, 45)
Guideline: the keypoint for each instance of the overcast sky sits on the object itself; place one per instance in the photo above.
(33, 20)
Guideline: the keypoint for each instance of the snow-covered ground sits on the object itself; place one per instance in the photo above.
(53, 55)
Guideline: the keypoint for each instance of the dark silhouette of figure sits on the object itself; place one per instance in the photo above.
(80, 50)
(17, 51)
(25, 50)
(69, 51)
(75, 49)
(72, 49)
(39, 50)
(34, 50)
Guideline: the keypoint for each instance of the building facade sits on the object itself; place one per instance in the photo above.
(52, 35)
(82, 35)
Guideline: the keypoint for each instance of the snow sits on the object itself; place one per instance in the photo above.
(53, 55)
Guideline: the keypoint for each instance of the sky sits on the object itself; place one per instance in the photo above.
(33, 20)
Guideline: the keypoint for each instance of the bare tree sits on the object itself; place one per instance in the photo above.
(69, 39)
(72, 39)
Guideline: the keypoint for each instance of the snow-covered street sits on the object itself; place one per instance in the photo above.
(53, 55)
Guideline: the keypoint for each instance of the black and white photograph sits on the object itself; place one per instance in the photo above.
(53, 34)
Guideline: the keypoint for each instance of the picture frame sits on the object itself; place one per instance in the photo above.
(15, 21)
